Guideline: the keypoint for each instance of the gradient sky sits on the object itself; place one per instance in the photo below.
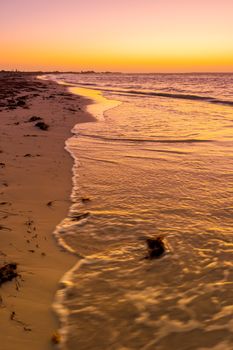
(120, 35)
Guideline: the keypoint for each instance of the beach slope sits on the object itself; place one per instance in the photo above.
(35, 187)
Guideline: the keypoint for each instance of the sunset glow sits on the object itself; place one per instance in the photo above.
(129, 35)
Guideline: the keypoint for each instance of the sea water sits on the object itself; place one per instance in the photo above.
(158, 161)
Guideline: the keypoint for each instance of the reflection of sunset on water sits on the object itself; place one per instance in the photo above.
(152, 166)
(116, 159)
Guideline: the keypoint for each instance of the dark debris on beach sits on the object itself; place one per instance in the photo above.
(42, 126)
(33, 119)
(8, 272)
(11, 84)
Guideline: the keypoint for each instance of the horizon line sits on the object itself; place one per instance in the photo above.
(105, 72)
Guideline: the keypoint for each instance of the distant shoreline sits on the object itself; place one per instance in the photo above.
(34, 73)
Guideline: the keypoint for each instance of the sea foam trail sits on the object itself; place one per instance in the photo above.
(99, 106)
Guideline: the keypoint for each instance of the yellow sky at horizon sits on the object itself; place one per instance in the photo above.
(130, 36)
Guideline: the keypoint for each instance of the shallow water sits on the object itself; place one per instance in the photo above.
(151, 165)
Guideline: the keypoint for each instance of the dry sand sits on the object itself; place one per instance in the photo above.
(35, 169)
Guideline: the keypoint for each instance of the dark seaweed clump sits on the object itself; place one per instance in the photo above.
(8, 272)
(155, 247)
(34, 119)
(42, 126)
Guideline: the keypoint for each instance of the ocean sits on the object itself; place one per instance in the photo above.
(158, 161)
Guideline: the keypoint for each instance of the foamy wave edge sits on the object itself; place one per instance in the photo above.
(65, 282)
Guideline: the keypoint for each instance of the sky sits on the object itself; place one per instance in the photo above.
(120, 35)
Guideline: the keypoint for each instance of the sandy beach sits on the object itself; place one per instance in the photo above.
(35, 187)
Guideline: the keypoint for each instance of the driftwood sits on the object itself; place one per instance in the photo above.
(155, 247)
(8, 273)
(14, 318)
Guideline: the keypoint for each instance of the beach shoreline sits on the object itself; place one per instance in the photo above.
(36, 184)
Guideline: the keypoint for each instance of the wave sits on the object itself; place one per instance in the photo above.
(86, 84)
(184, 96)
(105, 138)
(163, 151)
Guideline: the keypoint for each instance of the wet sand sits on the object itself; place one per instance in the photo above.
(35, 187)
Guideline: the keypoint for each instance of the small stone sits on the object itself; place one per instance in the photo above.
(85, 199)
(56, 338)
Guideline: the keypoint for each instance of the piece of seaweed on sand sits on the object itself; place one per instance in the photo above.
(42, 126)
(8, 272)
(34, 119)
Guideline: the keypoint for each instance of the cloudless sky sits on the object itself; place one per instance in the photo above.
(121, 35)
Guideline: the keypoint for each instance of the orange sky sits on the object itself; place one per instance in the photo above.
(122, 35)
